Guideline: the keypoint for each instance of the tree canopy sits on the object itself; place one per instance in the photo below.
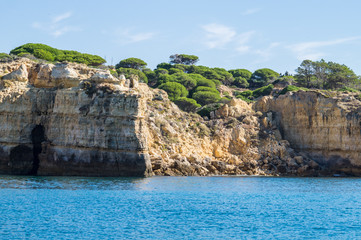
(263, 77)
(48, 53)
(244, 73)
(322, 74)
(183, 59)
(175, 90)
(134, 63)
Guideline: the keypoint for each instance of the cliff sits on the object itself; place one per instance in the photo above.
(324, 126)
(69, 119)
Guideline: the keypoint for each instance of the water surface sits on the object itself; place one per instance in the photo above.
(179, 208)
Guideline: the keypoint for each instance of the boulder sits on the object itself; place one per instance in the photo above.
(21, 74)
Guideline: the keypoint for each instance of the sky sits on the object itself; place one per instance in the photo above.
(231, 34)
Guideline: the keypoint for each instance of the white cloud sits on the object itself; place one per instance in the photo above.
(61, 31)
(61, 17)
(243, 40)
(221, 36)
(217, 35)
(126, 36)
(311, 50)
(56, 27)
(251, 11)
(266, 53)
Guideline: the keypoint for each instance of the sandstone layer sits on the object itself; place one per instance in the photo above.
(69, 119)
(325, 126)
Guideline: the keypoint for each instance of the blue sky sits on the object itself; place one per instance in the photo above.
(230, 34)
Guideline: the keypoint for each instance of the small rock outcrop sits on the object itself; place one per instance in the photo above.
(21, 74)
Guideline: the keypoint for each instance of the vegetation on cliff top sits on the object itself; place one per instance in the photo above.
(191, 86)
(48, 53)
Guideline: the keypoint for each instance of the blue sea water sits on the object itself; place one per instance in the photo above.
(179, 208)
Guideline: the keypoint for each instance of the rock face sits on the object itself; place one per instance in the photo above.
(69, 119)
(60, 126)
(325, 127)
(235, 141)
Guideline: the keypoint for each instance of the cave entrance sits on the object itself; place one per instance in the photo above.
(37, 137)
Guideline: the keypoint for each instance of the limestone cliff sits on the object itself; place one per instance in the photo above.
(325, 126)
(69, 119)
(235, 141)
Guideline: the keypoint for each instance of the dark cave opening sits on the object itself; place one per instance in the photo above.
(37, 137)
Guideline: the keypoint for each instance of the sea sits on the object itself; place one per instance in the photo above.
(180, 208)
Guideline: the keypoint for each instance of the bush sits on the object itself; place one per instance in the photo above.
(263, 91)
(244, 73)
(43, 54)
(175, 70)
(127, 72)
(207, 89)
(206, 110)
(224, 76)
(244, 98)
(114, 73)
(4, 55)
(159, 71)
(185, 80)
(206, 97)
(175, 90)
(57, 54)
(291, 88)
(347, 89)
(241, 82)
(206, 83)
(152, 77)
(187, 104)
(217, 82)
(164, 65)
(164, 78)
(247, 93)
(262, 77)
(134, 63)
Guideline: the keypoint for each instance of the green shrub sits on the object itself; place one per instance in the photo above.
(4, 55)
(247, 93)
(291, 88)
(187, 104)
(217, 82)
(347, 89)
(43, 54)
(164, 78)
(206, 83)
(164, 65)
(241, 82)
(57, 54)
(127, 72)
(207, 89)
(263, 91)
(244, 98)
(175, 90)
(152, 77)
(114, 73)
(175, 70)
(134, 63)
(244, 73)
(206, 97)
(206, 110)
(185, 80)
